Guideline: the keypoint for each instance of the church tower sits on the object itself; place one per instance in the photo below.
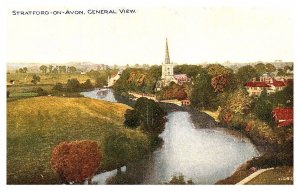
(167, 66)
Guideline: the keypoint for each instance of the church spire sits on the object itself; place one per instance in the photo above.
(167, 57)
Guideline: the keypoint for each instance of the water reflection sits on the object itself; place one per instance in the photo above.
(203, 155)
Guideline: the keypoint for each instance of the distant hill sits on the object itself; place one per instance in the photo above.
(36, 125)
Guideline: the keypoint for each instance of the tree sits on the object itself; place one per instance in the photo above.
(270, 68)
(21, 70)
(55, 70)
(245, 74)
(76, 161)
(58, 87)
(190, 70)
(132, 118)
(87, 85)
(179, 180)
(62, 69)
(100, 81)
(203, 94)
(50, 67)
(284, 97)
(41, 92)
(35, 79)
(122, 149)
(7, 94)
(72, 69)
(217, 69)
(260, 68)
(73, 85)
(237, 105)
(219, 82)
(181, 94)
(151, 115)
(281, 72)
(239, 102)
(263, 107)
(43, 68)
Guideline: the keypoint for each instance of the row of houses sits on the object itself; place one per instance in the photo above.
(266, 82)
(283, 116)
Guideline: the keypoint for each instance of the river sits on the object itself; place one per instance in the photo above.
(204, 155)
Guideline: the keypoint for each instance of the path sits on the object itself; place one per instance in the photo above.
(255, 174)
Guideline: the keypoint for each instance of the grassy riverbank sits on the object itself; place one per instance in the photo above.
(36, 125)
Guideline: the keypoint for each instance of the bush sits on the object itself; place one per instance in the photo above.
(87, 85)
(58, 87)
(41, 92)
(76, 161)
(272, 160)
(179, 180)
(73, 85)
(132, 118)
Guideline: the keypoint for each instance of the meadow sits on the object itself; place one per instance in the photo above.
(35, 125)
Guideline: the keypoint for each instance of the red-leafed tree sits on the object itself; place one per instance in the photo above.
(76, 161)
(219, 83)
(181, 94)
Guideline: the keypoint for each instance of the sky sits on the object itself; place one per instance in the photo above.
(195, 34)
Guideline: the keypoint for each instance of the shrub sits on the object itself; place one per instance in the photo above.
(58, 87)
(76, 161)
(41, 92)
(179, 180)
(132, 118)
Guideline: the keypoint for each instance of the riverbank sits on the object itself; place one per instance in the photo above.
(204, 120)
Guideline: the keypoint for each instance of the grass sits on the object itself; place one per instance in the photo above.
(36, 125)
(25, 78)
(281, 175)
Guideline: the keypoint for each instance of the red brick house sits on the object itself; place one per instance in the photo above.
(283, 116)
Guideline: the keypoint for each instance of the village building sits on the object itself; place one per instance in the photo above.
(266, 82)
(112, 80)
(255, 88)
(283, 116)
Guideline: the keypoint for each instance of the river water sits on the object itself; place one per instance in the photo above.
(204, 155)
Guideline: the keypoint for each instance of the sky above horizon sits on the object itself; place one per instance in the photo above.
(195, 35)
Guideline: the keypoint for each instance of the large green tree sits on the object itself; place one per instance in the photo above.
(270, 68)
(263, 107)
(260, 68)
(203, 94)
(246, 73)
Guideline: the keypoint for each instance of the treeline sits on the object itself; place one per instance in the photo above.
(138, 80)
(57, 69)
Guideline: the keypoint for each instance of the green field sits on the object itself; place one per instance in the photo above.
(25, 78)
(36, 125)
(280, 175)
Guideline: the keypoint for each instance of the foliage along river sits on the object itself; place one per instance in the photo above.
(204, 155)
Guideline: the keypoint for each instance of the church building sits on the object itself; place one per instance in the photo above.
(167, 73)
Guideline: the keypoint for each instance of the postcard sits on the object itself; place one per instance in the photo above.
(149, 95)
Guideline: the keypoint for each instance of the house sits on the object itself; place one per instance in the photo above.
(275, 86)
(112, 80)
(283, 116)
(181, 78)
(269, 83)
(185, 102)
(255, 88)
